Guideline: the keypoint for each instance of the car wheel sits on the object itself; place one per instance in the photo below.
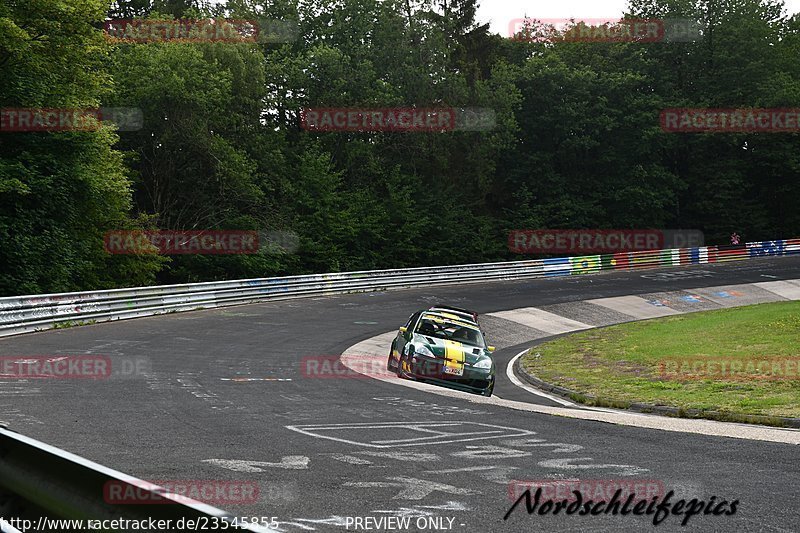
(488, 391)
(391, 359)
(400, 372)
(399, 369)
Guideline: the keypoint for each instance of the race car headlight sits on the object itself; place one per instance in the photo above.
(421, 349)
(483, 363)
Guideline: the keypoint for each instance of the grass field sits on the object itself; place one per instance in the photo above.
(623, 363)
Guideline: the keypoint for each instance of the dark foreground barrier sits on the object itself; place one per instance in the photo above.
(42, 485)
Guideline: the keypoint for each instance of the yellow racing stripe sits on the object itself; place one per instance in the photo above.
(454, 354)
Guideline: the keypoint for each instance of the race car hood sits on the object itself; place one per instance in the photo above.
(446, 349)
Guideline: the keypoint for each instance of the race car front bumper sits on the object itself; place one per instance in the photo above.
(428, 369)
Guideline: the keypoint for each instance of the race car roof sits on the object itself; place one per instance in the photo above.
(457, 310)
(455, 319)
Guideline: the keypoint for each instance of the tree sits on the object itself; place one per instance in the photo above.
(59, 191)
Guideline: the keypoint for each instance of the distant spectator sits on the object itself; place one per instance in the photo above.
(735, 238)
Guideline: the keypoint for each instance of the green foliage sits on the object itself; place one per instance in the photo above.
(577, 142)
(59, 192)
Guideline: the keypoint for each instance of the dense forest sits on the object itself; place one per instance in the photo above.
(576, 140)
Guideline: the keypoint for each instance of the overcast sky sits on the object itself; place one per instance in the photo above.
(501, 12)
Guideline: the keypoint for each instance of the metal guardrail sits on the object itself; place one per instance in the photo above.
(24, 314)
(64, 486)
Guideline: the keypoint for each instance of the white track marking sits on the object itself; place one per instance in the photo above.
(785, 289)
(15, 417)
(304, 527)
(413, 488)
(403, 456)
(495, 474)
(349, 459)
(369, 437)
(187, 382)
(561, 447)
(490, 452)
(419, 439)
(569, 464)
(432, 408)
(289, 462)
(634, 306)
(681, 274)
(516, 381)
(558, 447)
(536, 318)
(243, 380)
(332, 521)
(522, 442)
(420, 510)
(19, 388)
(449, 506)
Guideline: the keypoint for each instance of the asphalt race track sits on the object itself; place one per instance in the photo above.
(189, 414)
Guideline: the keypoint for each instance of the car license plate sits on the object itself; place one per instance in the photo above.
(454, 370)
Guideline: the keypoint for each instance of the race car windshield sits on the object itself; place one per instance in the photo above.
(452, 331)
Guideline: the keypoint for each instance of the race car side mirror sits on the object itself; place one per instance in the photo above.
(491, 348)
(403, 329)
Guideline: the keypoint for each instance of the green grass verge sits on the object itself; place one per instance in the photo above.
(621, 364)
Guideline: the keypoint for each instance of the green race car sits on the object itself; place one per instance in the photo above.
(444, 348)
